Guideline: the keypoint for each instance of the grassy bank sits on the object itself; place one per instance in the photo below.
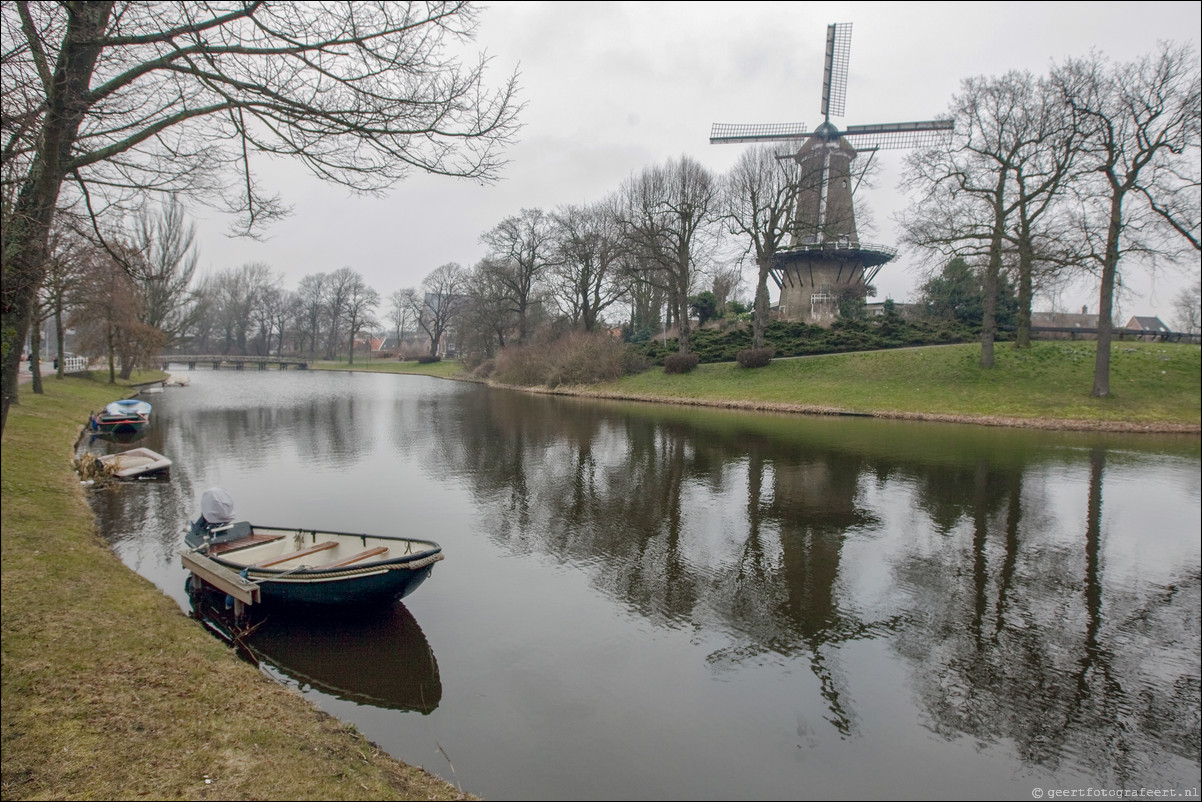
(109, 690)
(1155, 386)
(445, 369)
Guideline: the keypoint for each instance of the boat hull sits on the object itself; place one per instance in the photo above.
(118, 424)
(370, 588)
(127, 416)
(314, 568)
(137, 463)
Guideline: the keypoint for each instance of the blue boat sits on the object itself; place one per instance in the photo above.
(312, 567)
(127, 416)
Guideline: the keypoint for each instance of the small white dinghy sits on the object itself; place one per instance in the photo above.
(136, 463)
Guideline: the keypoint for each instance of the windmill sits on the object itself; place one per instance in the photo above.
(825, 259)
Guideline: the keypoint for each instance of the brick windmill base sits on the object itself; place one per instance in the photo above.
(813, 278)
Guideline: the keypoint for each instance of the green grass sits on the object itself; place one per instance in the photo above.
(1151, 383)
(108, 690)
(444, 369)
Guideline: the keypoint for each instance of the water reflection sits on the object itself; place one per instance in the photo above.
(681, 602)
(378, 658)
(1012, 632)
(123, 438)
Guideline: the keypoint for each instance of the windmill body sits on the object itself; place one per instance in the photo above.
(825, 261)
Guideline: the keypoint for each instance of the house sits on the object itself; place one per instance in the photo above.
(1066, 325)
(907, 311)
(1148, 328)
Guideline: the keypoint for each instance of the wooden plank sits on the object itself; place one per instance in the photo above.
(242, 543)
(354, 558)
(221, 577)
(329, 544)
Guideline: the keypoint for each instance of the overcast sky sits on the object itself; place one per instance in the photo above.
(611, 88)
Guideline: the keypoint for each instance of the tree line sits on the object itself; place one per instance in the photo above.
(1088, 170)
(1091, 170)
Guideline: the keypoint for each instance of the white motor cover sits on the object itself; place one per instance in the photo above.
(217, 506)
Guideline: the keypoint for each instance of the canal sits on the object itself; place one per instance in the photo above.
(648, 602)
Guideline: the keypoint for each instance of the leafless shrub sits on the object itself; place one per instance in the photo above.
(680, 363)
(754, 357)
(576, 358)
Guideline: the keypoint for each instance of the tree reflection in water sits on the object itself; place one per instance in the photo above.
(1012, 635)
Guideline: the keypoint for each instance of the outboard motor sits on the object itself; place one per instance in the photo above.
(216, 518)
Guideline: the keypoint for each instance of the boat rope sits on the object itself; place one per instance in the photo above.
(419, 564)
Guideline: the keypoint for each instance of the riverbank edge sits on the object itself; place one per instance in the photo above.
(1014, 422)
(1060, 424)
(93, 704)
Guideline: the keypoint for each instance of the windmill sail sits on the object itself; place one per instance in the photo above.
(726, 133)
(834, 72)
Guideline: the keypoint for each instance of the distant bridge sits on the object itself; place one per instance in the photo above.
(236, 362)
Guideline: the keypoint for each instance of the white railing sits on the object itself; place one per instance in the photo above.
(73, 364)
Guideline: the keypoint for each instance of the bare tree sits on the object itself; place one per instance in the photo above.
(1188, 308)
(164, 268)
(118, 98)
(759, 196)
(361, 301)
(1142, 123)
(989, 193)
(107, 314)
(311, 298)
(487, 320)
(726, 286)
(233, 296)
(399, 314)
(338, 289)
(520, 253)
(63, 273)
(587, 248)
(439, 303)
(663, 213)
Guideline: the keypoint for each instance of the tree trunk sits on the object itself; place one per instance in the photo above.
(1110, 265)
(27, 230)
(760, 320)
(989, 311)
(1101, 365)
(992, 274)
(60, 347)
(110, 346)
(1025, 289)
(35, 359)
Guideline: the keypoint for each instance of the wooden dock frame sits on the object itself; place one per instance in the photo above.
(244, 591)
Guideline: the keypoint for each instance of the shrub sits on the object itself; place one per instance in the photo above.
(680, 363)
(426, 359)
(755, 357)
(575, 358)
(484, 369)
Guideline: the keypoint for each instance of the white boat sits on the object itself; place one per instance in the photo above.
(136, 463)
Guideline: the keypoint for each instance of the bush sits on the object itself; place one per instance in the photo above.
(575, 358)
(426, 359)
(755, 357)
(791, 338)
(680, 363)
(484, 369)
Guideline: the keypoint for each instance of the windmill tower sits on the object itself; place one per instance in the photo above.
(825, 260)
